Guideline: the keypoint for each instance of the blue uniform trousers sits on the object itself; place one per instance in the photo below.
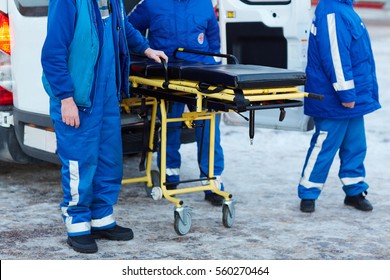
(91, 155)
(347, 136)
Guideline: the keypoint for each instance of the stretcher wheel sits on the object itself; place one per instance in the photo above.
(156, 193)
(155, 183)
(183, 220)
(228, 214)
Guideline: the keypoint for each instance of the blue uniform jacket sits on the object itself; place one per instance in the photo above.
(340, 63)
(55, 52)
(193, 20)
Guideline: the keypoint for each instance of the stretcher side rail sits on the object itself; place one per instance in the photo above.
(213, 104)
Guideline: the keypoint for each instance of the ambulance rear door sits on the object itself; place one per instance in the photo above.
(270, 33)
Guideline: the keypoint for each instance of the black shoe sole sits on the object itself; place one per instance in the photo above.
(307, 210)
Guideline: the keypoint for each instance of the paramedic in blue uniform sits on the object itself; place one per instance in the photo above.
(190, 24)
(85, 60)
(341, 67)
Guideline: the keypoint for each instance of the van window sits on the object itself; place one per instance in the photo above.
(38, 8)
(32, 8)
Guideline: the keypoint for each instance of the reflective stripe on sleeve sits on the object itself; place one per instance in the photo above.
(341, 83)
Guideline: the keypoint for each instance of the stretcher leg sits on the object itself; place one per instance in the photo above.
(182, 215)
(150, 178)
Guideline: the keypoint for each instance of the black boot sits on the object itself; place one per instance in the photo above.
(308, 205)
(359, 202)
(214, 199)
(114, 233)
(83, 243)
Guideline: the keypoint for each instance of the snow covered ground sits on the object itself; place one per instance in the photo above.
(262, 178)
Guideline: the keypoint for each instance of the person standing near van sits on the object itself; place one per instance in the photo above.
(341, 67)
(85, 60)
(189, 24)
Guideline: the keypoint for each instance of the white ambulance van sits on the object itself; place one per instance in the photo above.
(272, 33)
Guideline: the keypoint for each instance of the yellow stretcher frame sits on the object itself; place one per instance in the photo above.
(188, 117)
(182, 216)
(136, 102)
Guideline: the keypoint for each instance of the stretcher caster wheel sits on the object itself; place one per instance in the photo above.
(156, 184)
(183, 220)
(228, 214)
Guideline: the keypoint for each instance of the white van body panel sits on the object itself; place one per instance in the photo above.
(3, 5)
(27, 40)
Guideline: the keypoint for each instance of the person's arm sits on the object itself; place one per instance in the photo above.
(138, 43)
(54, 58)
(139, 17)
(335, 41)
(137, 22)
(213, 32)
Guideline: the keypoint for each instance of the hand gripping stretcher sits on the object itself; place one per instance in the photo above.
(208, 90)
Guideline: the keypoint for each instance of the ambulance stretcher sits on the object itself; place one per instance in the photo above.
(207, 90)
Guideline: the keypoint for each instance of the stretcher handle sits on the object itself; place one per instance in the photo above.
(315, 96)
(165, 65)
(229, 56)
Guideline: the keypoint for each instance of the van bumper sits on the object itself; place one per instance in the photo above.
(10, 149)
(133, 134)
(21, 119)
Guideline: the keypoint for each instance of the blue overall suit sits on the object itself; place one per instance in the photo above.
(190, 24)
(91, 155)
(341, 67)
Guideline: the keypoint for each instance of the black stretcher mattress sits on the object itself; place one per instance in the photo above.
(242, 76)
